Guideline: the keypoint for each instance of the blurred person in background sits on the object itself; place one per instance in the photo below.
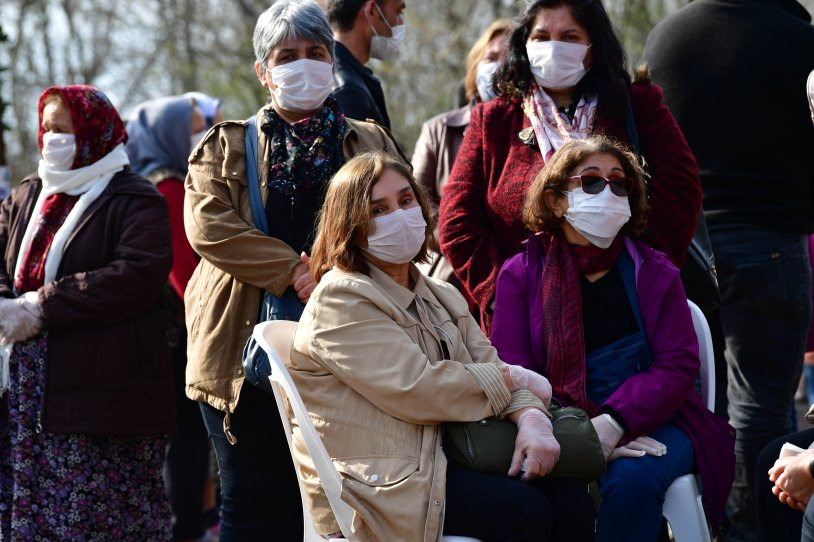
(564, 78)
(734, 85)
(88, 403)
(303, 138)
(162, 134)
(441, 136)
(364, 29)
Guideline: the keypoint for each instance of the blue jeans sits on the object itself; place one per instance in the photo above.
(260, 496)
(765, 281)
(633, 489)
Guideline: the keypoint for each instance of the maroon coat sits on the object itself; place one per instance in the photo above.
(480, 220)
(107, 364)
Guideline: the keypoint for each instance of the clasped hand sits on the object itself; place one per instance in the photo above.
(610, 433)
(301, 278)
(20, 318)
(792, 479)
(535, 450)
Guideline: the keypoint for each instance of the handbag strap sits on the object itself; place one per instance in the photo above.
(252, 178)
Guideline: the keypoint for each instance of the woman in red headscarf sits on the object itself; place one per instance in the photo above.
(85, 377)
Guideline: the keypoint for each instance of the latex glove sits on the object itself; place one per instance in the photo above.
(536, 451)
(524, 379)
(32, 303)
(639, 448)
(19, 320)
(301, 279)
(609, 433)
(792, 480)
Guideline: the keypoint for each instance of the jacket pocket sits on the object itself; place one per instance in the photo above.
(377, 470)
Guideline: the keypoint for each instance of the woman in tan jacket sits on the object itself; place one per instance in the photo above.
(383, 355)
(302, 139)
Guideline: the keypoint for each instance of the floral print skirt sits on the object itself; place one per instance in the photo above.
(57, 487)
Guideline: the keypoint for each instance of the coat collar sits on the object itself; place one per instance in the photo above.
(404, 297)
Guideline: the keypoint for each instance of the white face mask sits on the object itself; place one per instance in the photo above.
(302, 85)
(58, 150)
(557, 65)
(384, 47)
(597, 217)
(398, 236)
(483, 79)
(194, 139)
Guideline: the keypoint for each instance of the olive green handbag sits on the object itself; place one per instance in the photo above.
(488, 445)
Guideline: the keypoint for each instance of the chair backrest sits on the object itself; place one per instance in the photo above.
(707, 355)
(276, 337)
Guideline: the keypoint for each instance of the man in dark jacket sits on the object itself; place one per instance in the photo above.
(363, 29)
(733, 74)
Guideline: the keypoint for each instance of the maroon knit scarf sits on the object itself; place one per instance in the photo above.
(562, 313)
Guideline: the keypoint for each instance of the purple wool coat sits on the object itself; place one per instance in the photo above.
(646, 400)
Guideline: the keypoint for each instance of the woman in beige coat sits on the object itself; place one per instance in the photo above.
(302, 139)
(383, 355)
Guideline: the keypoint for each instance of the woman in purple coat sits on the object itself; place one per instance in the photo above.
(604, 317)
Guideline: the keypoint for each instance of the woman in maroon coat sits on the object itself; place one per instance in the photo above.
(564, 78)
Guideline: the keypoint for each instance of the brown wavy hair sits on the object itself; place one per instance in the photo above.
(345, 219)
(554, 176)
(501, 26)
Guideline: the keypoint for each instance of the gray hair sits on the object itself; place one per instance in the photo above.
(289, 20)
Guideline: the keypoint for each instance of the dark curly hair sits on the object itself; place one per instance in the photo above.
(607, 79)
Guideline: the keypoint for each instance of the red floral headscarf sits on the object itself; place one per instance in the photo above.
(96, 123)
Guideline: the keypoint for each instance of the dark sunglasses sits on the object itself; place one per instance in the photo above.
(594, 184)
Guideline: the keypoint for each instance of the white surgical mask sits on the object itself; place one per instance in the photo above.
(194, 139)
(302, 85)
(557, 65)
(483, 79)
(598, 217)
(58, 150)
(397, 237)
(384, 47)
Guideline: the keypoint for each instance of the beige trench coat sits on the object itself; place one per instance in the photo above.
(377, 386)
(237, 260)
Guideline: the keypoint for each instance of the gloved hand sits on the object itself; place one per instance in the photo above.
(20, 319)
(638, 448)
(524, 379)
(536, 451)
(609, 433)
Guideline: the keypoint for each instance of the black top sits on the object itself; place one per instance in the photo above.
(357, 90)
(606, 312)
(733, 74)
(293, 220)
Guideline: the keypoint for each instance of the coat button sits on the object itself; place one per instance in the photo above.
(240, 371)
(248, 322)
(234, 173)
(436, 502)
(374, 478)
(263, 183)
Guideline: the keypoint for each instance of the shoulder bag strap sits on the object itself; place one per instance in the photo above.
(252, 178)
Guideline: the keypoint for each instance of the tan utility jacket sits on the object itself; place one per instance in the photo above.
(373, 363)
(237, 260)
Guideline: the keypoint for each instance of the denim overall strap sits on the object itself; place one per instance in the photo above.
(609, 366)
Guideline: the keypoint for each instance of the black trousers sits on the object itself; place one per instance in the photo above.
(186, 467)
(260, 496)
(496, 508)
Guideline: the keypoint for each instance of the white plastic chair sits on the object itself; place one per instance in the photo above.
(275, 337)
(682, 505)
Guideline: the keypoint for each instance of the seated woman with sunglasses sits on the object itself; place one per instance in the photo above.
(604, 317)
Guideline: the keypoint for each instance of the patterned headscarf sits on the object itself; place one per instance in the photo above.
(96, 123)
